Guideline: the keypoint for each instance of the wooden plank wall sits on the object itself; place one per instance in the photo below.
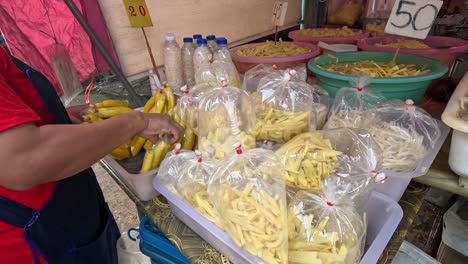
(233, 19)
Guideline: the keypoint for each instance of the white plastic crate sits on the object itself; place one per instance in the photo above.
(383, 214)
(397, 182)
(129, 168)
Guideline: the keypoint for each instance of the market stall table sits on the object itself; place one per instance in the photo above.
(198, 251)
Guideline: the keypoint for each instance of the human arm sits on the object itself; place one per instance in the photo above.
(31, 155)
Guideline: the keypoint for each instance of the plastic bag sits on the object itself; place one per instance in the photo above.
(216, 72)
(65, 72)
(321, 101)
(171, 166)
(308, 159)
(128, 251)
(347, 14)
(322, 230)
(353, 106)
(225, 116)
(192, 185)
(284, 107)
(311, 157)
(253, 76)
(404, 133)
(249, 193)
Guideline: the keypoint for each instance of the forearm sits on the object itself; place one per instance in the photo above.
(55, 152)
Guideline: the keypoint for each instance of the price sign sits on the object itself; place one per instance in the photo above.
(138, 13)
(413, 18)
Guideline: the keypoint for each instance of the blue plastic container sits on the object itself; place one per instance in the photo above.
(155, 245)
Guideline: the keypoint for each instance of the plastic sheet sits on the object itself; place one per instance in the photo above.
(353, 106)
(249, 193)
(193, 185)
(225, 116)
(324, 230)
(405, 133)
(286, 106)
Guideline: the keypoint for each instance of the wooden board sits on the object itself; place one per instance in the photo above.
(233, 19)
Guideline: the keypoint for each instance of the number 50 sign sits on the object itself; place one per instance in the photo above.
(413, 18)
(137, 13)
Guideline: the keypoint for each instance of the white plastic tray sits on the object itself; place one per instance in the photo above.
(397, 182)
(384, 215)
(129, 168)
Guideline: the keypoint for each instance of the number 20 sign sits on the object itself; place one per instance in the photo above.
(138, 13)
(413, 18)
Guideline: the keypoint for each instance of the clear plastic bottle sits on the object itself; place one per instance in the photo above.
(173, 62)
(196, 37)
(222, 52)
(211, 42)
(188, 50)
(202, 55)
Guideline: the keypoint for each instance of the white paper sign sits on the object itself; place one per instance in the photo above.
(279, 13)
(413, 18)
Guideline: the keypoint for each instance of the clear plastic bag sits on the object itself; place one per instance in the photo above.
(216, 72)
(225, 116)
(321, 101)
(311, 157)
(346, 14)
(253, 76)
(249, 193)
(404, 133)
(192, 185)
(323, 230)
(284, 107)
(353, 106)
(171, 166)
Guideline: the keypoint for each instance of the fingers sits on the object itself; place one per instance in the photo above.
(173, 132)
(163, 124)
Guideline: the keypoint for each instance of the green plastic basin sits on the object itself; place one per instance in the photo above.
(392, 88)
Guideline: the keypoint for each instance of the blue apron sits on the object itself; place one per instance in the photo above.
(75, 226)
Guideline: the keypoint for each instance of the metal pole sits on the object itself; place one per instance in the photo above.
(138, 100)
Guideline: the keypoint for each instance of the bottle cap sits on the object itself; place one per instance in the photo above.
(197, 36)
(221, 41)
(201, 41)
(211, 37)
(170, 37)
(188, 40)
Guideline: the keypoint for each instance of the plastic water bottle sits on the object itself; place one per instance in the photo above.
(211, 42)
(196, 37)
(222, 52)
(154, 82)
(202, 55)
(187, 60)
(173, 62)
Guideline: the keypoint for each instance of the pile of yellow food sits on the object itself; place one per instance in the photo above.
(280, 126)
(330, 32)
(218, 143)
(308, 159)
(376, 29)
(404, 44)
(375, 69)
(197, 196)
(254, 221)
(272, 49)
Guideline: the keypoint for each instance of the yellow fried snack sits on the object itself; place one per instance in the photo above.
(376, 29)
(253, 220)
(346, 14)
(272, 49)
(280, 126)
(308, 159)
(375, 69)
(330, 32)
(405, 44)
(197, 196)
(219, 143)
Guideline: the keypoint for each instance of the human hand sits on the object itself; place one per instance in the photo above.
(159, 124)
(76, 112)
